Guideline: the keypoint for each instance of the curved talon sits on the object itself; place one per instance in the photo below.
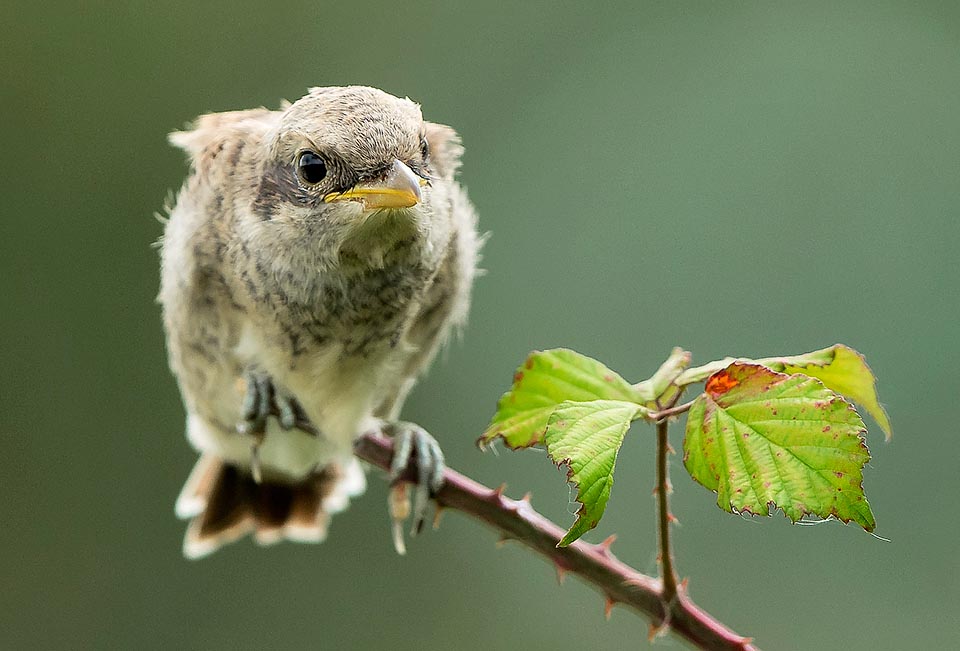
(255, 460)
(410, 440)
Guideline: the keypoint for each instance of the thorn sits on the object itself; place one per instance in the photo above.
(503, 540)
(608, 607)
(497, 493)
(670, 449)
(604, 547)
(682, 587)
(526, 497)
(437, 513)
(652, 632)
(672, 518)
(561, 574)
(656, 630)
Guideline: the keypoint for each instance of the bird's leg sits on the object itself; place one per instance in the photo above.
(262, 400)
(412, 442)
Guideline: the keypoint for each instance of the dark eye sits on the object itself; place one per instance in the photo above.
(311, 167)
(424, 148)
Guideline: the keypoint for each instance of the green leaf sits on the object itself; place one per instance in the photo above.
(760, 438)
(585, 437)
(845, 371)
(839, 367)
(545, 380)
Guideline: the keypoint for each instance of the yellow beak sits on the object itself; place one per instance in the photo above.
(399, 189)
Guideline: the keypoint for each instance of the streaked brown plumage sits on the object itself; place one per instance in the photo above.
(316, 258)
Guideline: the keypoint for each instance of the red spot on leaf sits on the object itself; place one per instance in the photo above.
(826, 429)
(608, 378)
(774, 412)
(839, 474)
(720, 383)
(517, 377)
(529, 363)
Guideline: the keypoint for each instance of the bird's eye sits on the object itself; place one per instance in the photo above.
(424, 148)
(311, 167)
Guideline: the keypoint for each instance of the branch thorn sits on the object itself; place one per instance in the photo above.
(655, 631)
(561, 574)
(604, 547)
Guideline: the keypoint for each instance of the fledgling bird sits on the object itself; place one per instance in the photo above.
(316, 258)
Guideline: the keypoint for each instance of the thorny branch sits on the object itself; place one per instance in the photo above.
(516, 520)
(667, 573)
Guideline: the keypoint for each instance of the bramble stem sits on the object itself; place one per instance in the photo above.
(668, 576)
(663, 414)
(595, 564)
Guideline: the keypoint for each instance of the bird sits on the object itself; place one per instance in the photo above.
(315, 259)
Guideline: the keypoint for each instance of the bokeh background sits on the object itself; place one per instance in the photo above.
(736, 178)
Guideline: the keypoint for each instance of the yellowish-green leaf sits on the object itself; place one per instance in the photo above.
(585, 437)
(845, 371)
(545, 380)
(839, 367)
(761, 438)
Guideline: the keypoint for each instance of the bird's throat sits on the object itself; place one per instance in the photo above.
(381, 238)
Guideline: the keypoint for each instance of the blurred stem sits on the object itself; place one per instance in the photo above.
(595, 564)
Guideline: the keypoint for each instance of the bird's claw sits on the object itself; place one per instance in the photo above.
(411, 441)
(261, 401)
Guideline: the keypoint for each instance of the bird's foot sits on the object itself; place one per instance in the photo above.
(262, 399)
(412, 443)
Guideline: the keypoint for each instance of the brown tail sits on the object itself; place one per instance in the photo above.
(225, 504)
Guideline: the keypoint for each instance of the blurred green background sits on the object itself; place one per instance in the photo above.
(736, 178)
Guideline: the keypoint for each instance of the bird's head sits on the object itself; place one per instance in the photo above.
(352, 171)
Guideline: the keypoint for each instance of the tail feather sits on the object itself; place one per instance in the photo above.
(226, 504)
